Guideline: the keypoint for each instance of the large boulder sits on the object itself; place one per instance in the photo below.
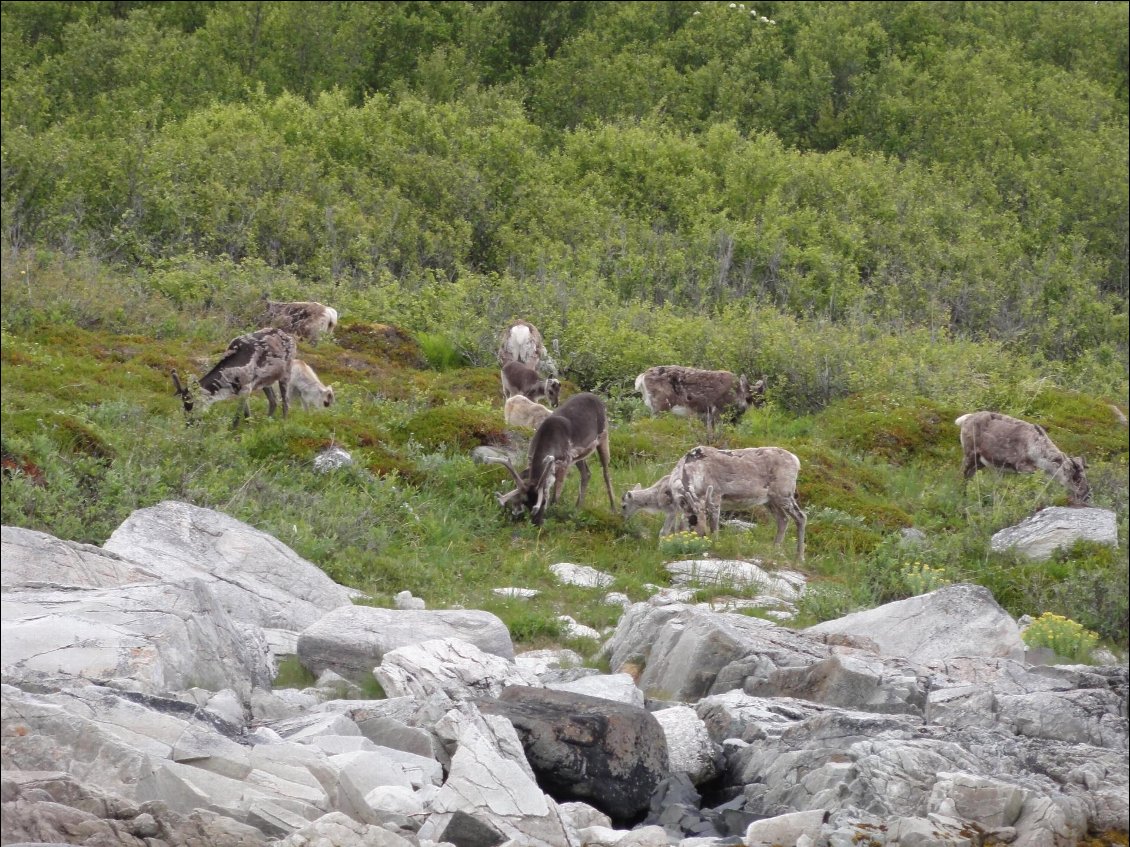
(688, 652)
(258, 579)
(958, 620)
(353, 640)
(1055, 528)
(149, 637)
(605, 753)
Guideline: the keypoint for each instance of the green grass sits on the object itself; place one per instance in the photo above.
(92, 431)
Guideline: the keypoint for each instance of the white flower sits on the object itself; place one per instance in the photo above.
(764, 19)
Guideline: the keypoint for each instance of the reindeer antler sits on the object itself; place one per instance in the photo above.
(505, 461)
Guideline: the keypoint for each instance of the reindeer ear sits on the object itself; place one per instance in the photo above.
(637, 487)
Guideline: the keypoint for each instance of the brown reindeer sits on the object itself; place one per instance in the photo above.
(566, 438)
(691, 391)
(993, 440)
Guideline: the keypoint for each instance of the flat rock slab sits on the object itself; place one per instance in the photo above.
(1055, 528)
(958, 620)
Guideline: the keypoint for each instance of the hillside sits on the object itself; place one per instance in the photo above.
(92, 431)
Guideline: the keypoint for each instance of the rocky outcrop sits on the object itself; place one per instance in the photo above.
(135, 710)
(1056, 528)
(257, 579)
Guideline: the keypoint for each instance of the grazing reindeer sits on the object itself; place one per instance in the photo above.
(522, 411)
(306, 388)
(706, 477)
(708, 394)
(566, 438)
(254, 361)
(992, 440)
(522, 379)
(521, 342)
(656, 498)
(306, 320)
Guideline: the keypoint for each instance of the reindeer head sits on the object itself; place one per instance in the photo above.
(328, 397)
(750, 394)
(533, 495)
(629, 501)
(1071, 474)
(187, 397)
(553, 391)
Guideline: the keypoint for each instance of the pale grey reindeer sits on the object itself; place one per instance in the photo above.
(567, 437)
(707, 478)
(993, 440)
(307, 389)
(693, 391)
(255, 361)
(522, 342)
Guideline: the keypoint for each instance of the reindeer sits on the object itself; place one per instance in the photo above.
(655, 498)
(993, 440)
(708, 394)
(306, 388)
(252, 362)
(522, 379)
(565, 438)
(522, 411)
(521, 342)
(707, 477)
(306, 320)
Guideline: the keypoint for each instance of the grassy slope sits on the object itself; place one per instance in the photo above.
(91, 431)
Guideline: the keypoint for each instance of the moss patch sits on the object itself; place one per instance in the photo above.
(383, 341)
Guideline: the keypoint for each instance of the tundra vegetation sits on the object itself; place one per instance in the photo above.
(897, 212)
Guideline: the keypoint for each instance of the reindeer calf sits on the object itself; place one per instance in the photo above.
(306, 388)
(522, 411)
(655, 498)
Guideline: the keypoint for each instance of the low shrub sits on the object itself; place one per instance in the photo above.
(1062, 635)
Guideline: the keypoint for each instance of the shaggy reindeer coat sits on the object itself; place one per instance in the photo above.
(306, 320)
(252, 362)
(521, 342)
(706, 478)
(993, 440)
(691, 391)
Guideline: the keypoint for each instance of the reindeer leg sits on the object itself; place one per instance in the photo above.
(797, 514)
(284, 394)
(271, 404)
(782, 521)
(583, 469)
(605, 455)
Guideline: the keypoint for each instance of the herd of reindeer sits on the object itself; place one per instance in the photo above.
(703, 482)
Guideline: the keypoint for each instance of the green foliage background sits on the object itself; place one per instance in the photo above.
(895, 211)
